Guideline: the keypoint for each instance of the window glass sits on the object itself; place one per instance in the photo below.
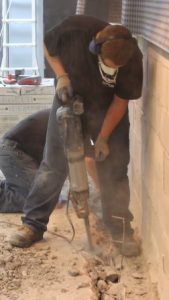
(20, 57)
(20, 9)
(20, 33)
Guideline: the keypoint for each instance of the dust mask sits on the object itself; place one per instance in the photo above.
(108, 74)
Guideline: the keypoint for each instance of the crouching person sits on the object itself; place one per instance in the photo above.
(21, 151)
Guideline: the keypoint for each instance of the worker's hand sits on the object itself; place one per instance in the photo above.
(101, 148)
(63, 88)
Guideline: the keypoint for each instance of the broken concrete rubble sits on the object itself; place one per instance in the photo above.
(54, 269)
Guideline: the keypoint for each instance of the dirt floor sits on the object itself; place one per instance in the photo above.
(55, 269)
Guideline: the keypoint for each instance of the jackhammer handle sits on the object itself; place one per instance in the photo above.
(65, 98)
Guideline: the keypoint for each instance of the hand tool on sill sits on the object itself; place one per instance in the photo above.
(29, 80)
(22, 79)
(10, 79)
(68, 118)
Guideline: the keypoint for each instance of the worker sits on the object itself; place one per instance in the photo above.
(21, 151)
(103, 64)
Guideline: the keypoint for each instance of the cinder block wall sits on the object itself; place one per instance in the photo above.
(149, 166)
(115, 11)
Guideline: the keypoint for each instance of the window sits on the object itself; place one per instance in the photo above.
(22, 36)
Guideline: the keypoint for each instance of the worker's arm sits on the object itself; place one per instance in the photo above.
(114, 114)
(54, 63)
(63, 87)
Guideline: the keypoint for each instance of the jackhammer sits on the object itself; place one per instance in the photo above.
(68, 118)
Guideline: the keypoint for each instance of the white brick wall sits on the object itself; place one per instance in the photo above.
(17, 102)
(149, 166)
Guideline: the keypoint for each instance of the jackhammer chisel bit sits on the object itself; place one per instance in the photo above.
(80, 205)
(88, 232)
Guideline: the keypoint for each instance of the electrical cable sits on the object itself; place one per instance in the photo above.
(70, 222)
(51, 232)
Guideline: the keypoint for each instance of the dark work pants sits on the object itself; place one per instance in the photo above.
(53, 171)
(19, 170)
(114, 184)
(49, 179)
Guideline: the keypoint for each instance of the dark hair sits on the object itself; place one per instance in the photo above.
(121, 47)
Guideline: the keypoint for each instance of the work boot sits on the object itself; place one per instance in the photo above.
(131, 246)
(25, 236)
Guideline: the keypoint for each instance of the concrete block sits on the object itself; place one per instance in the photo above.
(162, 208)
(156, 264)
(166, 174)
(9, 90)
(131, 113)
(25, 99)
(135, 165)
(136, 209)
(164, 130)
(146, 208)
(155, 236)
(151, 74)
(135, 146)
(163, 86)
(152, 159)
(153, 112)
(155, 209)
(136, 126)
(158, 76)
(159, 79)
(45, 88)
(135, 180)
(162, 249)
(21, 109)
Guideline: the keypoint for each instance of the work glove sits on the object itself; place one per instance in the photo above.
(101, 148)
(63, 88)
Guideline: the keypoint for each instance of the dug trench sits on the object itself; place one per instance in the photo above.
(55, 269)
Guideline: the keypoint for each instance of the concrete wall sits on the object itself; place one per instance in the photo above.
(115, 11)
(98, 8)
(149, 166)
(54, 11)
(108, 10)
(17, 102)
